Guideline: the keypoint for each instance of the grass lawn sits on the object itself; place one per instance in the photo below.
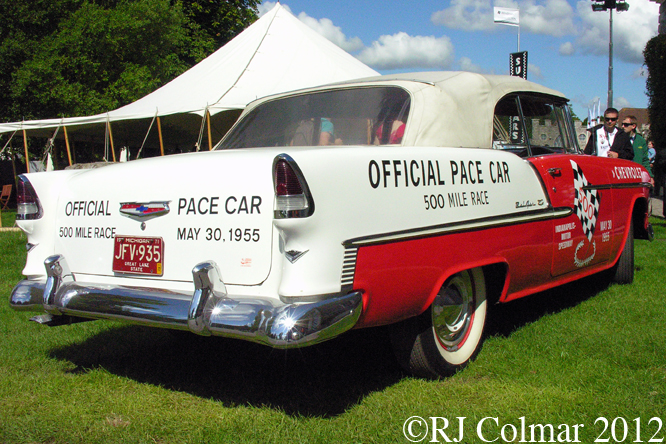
(564, 357)
(8, 218)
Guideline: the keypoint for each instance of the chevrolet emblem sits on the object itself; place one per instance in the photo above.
(143, 211)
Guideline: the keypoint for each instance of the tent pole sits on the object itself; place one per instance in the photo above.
(210, 142)
(25, 145)
(159, 133)
(113, 151)
(69, 152)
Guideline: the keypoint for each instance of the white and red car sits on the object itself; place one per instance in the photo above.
(414, 200)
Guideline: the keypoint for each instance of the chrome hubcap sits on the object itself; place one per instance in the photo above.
(452, 311)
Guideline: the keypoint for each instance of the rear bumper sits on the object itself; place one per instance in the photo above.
(209, 310)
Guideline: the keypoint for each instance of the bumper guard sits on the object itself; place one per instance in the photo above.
(208, 311)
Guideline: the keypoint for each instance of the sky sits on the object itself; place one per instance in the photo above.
(566, 42)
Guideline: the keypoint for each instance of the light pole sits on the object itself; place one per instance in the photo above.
(609, 5)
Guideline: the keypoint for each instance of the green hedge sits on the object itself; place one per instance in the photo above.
(655, 60)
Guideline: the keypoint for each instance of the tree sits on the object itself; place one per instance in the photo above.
(81, 57)
(212, 23)
(99, 59)
(25, 25)
(655, 60)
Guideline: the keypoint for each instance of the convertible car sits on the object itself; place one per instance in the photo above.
(413, 200)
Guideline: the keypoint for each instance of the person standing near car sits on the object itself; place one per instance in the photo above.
(607, 140)
(638, 143)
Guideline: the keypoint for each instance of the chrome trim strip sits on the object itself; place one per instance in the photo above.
(348, 268)
(616, 186)
(455, 227)
(207, 311)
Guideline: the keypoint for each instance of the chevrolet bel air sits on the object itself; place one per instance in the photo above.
(411, 200)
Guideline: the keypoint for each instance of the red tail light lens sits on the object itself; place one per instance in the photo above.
(27, 203)
(286, 181)
(292, 196)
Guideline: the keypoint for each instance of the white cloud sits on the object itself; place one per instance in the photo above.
(621, 102)
(567, 49)
(587, 104)
(404, 51)
(631, 30)
(470, 15)
(264, 7)
(550, 17)
(533, 71)
(640, 72)
(326, 28)
(323, 26)
(467, 65)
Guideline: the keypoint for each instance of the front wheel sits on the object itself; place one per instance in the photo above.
(447, 336)
(623, 271)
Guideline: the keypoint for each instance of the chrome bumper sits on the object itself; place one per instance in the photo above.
(208, 311)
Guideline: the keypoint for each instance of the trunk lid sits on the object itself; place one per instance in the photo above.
(183, 209)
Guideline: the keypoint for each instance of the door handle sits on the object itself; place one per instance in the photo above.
(555, 172)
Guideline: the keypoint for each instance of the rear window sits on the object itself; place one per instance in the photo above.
(357, 116)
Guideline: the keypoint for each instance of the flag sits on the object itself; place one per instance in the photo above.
(507, 16)
(518, 64)
(586, 201)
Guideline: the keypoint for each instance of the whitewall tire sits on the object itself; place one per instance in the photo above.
(447, 336)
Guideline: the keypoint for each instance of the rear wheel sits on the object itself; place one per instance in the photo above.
(447, 336)
(624, 269)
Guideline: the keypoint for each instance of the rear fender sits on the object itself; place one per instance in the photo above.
(496, 274)
(41, 233)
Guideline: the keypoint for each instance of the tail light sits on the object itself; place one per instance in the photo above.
(292, 196)
(27, 203)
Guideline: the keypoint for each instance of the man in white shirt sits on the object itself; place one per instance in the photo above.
(607, 140)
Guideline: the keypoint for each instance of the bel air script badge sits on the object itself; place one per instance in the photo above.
(143, 211)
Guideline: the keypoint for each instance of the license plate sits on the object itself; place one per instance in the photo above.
(138, 255)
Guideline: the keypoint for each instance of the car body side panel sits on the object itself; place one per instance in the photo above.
(583, 238)
(402, 278)
(602, 193)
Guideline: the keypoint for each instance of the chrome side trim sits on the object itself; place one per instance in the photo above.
(455, 227)
(349, 267)
(617, 186)
(209, 310)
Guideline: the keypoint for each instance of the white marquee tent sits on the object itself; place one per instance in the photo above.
(275, 54)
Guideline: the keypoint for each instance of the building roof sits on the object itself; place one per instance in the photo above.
(641, 114)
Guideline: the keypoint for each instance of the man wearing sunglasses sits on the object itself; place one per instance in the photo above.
(639, 144)
(607, 140)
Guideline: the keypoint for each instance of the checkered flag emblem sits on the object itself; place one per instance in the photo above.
(586, 202)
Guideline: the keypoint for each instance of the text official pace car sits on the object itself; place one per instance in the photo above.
(412, 200)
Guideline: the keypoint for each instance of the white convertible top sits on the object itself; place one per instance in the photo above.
(449, 108)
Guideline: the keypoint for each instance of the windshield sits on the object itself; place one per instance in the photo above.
(533, 125)
(356, 116)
